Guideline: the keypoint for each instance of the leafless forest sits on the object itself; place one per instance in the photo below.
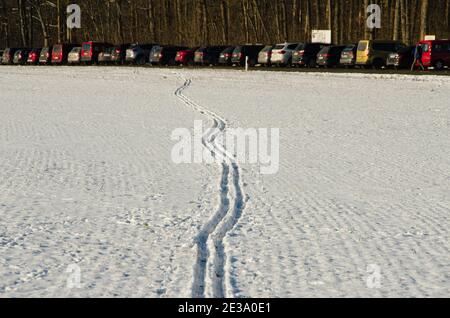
(195, 22)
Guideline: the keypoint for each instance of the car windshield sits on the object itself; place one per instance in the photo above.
(57, 48)
(279, 47)
(362, 46)
(267, 48)
(86, 47)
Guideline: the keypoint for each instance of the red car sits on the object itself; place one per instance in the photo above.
(33, 56)
(436, 53)
(186, 57)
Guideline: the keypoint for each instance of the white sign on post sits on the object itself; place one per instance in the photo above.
(321, 36)
(430, 37)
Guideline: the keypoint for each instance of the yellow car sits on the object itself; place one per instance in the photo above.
(375, 53)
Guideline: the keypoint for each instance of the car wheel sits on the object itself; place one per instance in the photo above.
(377, 64)
(140, 60)
(439, 65)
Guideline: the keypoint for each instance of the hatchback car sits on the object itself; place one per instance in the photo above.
(375, 53)
(105, 56)
(402, 59)
(348, 56)
(329, 56)
(21, 56)
(436, 54)
(46, 55)
(243, 52)
(139, 53)
(306, 54)
(265, 56)
(33, 56)
(118, 54)
(74, 56)
(209, 55)
(282, 53)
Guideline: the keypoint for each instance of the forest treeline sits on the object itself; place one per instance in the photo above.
(196, 22)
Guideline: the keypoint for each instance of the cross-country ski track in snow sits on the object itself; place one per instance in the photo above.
(210, 276)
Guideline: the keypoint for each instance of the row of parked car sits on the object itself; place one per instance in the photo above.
(376, 54)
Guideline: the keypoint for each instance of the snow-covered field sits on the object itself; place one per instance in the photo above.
(360, 205)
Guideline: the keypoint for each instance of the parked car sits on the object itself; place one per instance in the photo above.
(33, 56)
(375, 53)
(209, 55)
(241, 52)
(330, 56)
(21, 56)
(61, 52)
(265, 56)
(402, 59)
(282, 53)
(105, 56)
(8, 55)
(226, 55)
(46, 56)
(90, 51)
(165, 55)
(139, 53)
(436, 54)
(119, 54)
(348, 56)
(74, 56)
(306, 54)
(186, 57)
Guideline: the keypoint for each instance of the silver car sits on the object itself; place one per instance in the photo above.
(265, 56)
(74, 55)
(282, 53)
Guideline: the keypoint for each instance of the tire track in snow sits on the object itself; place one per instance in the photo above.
(211, 279)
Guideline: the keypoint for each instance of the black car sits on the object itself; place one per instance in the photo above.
(119, 53)
(305, 54)
(209, 55)
(241, 52)
(8, 55)
(330, 56)
(45, 57)
(226, 55)
(165, 55)
(404, 58)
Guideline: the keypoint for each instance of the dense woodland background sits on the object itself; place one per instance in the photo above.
(195, 22)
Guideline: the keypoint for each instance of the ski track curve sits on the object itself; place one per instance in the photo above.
(211, 279)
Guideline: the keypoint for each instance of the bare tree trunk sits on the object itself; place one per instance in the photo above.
(396, 20)
(423, 18)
